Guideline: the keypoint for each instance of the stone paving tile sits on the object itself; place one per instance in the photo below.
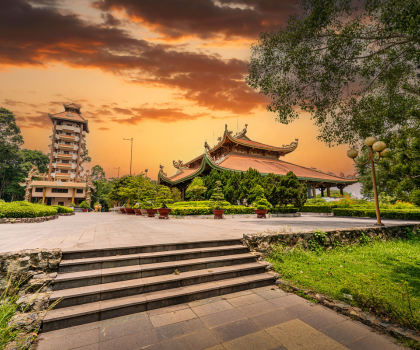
(302, 309)
(212, 308)
(345, 332)
(68, 331)
(288, 300)
(255, 341)
(131, 342)
(236, 295)
(290, 330)
(228, 316)
(372, 341)
(235, 330)
(257, 308)
(172, 317)
(167, 309)
(245, 300)
(122, 319)
(204, 301)
(272, 318)
(323, 318)
(70, 341)
(216, 347)
(196, 341)
(272, 294)
(179, 329)
(121, 329)
(312, 341)
(89, 347)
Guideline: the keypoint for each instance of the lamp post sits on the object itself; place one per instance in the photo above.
(131, 159)
(146, 170)
(373, 146)
(118, 171)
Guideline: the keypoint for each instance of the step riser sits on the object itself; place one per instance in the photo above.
(79, 300)
(145, 249)
(151, 260)
(146, 306)
(118, 277)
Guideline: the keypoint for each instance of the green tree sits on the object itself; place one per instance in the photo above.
(176, 195)
(196, 189)
(163, 197)
(37, 158)
(217, 197)
(85, 156)
(10, 142)
(289, 191)
(97, 173)
(350, 64)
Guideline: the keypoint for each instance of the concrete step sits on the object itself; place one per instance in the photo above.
(88, 294)
(77, 265)
(102, 252)
(106, 309)
(117, 274)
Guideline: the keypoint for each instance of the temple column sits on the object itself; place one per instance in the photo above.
(328, 192)
(314, 190)
(183, 193)
(52, 150)
(341, 187)
(72, 198)
(43, 195)
(322, 191)
(309, 190)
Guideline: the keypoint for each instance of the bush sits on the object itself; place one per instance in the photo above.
(283, 210)
(233, 209)
(316, 209)
(25, 209)
(385, 213)
(84, 205)
(195, 204)
(62, 210)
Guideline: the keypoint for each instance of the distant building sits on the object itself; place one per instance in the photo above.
(63, 184)
(239, 153)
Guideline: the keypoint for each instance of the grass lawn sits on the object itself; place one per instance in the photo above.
(380, 277)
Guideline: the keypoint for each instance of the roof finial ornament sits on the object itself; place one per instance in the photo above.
(225, 126)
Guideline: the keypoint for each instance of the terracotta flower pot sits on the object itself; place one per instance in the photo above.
(123, 210)
(163, 213)
(84, 210)
(143, 212)
(137, 211)
(130, 211)
(261, 213)
(218, 214)
(151, 213)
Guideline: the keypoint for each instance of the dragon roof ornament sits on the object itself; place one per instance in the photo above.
(180, 165)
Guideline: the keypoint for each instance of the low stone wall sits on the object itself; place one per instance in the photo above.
(32, 220)
(29, 274)
(262, 242)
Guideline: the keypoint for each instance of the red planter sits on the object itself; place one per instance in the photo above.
(261, 213)
(84, 210)
(151, 212)
(130, 211)
(163, 213)
(143, 212)
(137, 211)
(218, 214)
(123, 210)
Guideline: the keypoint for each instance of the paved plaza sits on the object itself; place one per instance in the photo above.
(101, 230)
(259, 319)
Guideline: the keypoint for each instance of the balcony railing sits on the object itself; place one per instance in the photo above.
(66, 137)
(67, 127)
(62, 165)
(63, 146)
(65, 156)
(62, 175)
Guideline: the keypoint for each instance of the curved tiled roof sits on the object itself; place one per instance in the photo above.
(183, 173)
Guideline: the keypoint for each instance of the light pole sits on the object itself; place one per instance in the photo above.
(146, 170)
(373, 146)
(131, 159)
(118, 171)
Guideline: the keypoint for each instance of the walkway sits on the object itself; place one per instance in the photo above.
(97, 230)
(259, 319)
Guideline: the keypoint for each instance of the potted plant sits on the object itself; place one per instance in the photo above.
(143, 209)
(149, 202)
(85, 206)
(72, 205)
(129, 210)
(216, 201)
(137, 209)
(164, 197)
(261, 203)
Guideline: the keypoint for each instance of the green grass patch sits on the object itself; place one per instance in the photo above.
(381, 277)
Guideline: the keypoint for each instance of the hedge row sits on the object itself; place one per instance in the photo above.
(191, 204)
(286, 210)
(25, 210)
(316, 209)
(385, 213)
(63, 210)
(234, 209)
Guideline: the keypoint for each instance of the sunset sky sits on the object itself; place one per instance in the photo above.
(169, 73)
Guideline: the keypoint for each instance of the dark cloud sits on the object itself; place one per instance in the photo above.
(9, 102)
(104, 128)
(125, 111)
(36, 119)
(110, 20)
(206, 19)
(206, 80)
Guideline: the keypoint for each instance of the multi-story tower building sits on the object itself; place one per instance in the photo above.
(63, 184)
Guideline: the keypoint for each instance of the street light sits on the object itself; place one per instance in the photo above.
(373, 146)
(146, 170)
(118, 171)
(131, 159)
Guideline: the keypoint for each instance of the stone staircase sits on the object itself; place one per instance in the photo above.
(94, 285)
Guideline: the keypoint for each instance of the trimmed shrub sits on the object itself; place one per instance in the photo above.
(23, 209)
(316, 209)
(195, 204)
(233, 209)
(385, 213)
(63, 210)
(84, 205)
(283, 210)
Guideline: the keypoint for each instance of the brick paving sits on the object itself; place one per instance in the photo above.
(100, 230)
(261, 319)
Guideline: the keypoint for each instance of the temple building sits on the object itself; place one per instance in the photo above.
(239, 153)
(63, 184)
